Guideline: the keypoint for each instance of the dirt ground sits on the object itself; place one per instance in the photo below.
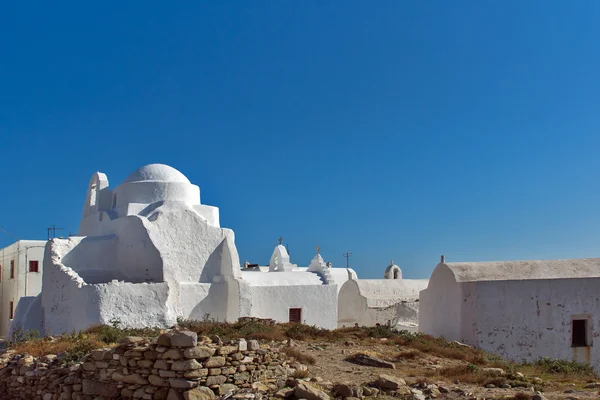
(331, 366)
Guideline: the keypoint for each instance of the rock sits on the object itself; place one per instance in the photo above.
(215, 380)
(216, 339)
(538, 396)
(214, 362)
(347, 390)
(175, 395)
(226, 388)
(186, 365)
(135, 379)
(391, 382)
(592, 385)
(156, 380)
(493, 371)
(199, 393)
(537, 380)
(242, 345)
(98, 355)
(94, 388)
(260, 386)
(253, 345)
(184, 339)
(199, 373)
(284, 393)
(172, 354)
(179, 383)
(490, 386)
(129, 340)
(199, 352)
(227, 350)
(364, 359)
(164, 339)
(305, 391)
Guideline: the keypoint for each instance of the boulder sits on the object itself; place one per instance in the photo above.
(364, 359)
(391, 382)
(199, 393)
(308, 392)
(184, 339)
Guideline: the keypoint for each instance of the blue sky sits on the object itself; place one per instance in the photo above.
(393, 129)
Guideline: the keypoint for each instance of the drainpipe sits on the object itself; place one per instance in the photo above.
(26, 270)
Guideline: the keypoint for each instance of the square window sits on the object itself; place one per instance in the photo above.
(34, 266)
(295, 315)
(579, 333)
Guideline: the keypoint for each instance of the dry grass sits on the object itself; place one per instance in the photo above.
(300, 374)
(70, 345)
(298, 355)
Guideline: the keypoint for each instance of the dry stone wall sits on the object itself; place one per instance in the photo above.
(174, 366)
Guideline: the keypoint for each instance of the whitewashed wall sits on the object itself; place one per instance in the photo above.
(318, 303)
(440, 305)
(354, 307)
(527, 320)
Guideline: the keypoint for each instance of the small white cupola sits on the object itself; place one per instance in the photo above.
(393, 271)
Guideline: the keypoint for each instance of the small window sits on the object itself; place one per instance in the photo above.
(34, 266)
(396, 274)
(12, 269)
(579, 333)
(295, 315)
(12, 310)
(0, 272)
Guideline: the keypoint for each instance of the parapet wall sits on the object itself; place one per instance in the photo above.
(174, 366)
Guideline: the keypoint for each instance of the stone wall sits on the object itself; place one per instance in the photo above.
(174, 366)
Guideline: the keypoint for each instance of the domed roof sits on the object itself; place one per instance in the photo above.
(157, 173)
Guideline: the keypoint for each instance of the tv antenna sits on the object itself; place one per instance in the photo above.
(347, 255)
(53, 229)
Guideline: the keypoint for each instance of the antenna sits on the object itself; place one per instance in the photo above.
(53, 229)
(347, 255)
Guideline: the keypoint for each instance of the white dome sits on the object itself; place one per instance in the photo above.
(157, 173)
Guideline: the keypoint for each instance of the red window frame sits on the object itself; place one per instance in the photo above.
(34, 266)
(295, 315)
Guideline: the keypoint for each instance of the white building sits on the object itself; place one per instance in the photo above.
(20, 278)
(522, 310)
(148, 252)
(389, 301)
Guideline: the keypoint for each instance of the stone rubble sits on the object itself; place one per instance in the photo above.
(177, 365)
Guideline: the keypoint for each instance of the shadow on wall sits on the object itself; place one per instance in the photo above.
(220, 304)
(93, 259)
(29, 316)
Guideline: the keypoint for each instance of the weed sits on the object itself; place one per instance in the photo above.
(299, 356)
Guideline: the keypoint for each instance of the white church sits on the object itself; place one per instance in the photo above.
(148, 252)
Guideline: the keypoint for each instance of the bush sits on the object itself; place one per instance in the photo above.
(554, 366)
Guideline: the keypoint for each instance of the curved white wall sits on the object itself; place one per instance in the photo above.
(440, 305)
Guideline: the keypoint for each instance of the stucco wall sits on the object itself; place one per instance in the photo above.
(318, 303)
(532, 319)
(440, 305)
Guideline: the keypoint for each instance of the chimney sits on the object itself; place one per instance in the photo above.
(442, 258)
